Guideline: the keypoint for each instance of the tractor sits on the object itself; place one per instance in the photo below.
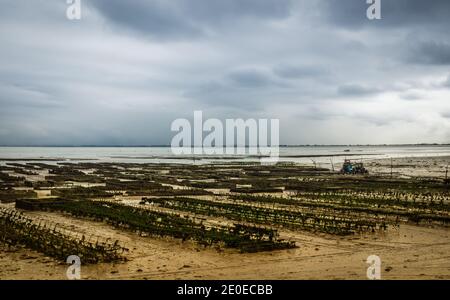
(353, 168)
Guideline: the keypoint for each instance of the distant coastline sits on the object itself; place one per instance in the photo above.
(281, 146)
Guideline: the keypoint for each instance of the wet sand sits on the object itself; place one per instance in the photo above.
(410, 252)
(407, 252)
(411, 167)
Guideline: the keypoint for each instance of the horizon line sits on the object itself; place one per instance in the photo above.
(246, 146)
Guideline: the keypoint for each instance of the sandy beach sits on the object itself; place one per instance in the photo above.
(407, 251)
(411, 167)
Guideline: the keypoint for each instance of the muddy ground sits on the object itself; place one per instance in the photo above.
(407, 252)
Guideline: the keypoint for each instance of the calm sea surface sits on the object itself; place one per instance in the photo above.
(301, 154)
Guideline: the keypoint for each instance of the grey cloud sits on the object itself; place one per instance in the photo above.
(250, 78)
(218, 94)
(28, 97)
(395, 13)
(125, 71)
(356, 90)
(155, 18)
(211, 11)
(295, 71)
(179, 19)
(432, 52)
(249, 88)
(322, 113)
(447, 82)
(412, 96)
(317, 113)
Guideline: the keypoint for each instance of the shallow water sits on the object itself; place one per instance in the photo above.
(299, 154)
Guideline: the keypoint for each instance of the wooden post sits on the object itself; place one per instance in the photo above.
(392, 166)
(446, 181)
(314, 162)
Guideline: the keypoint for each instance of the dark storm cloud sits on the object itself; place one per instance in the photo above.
(180, 19)
(213, 11)
(395, 13)
(127, 69)
(155, 18)
(433, 53)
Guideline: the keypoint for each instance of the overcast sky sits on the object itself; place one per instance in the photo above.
(127, 69)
